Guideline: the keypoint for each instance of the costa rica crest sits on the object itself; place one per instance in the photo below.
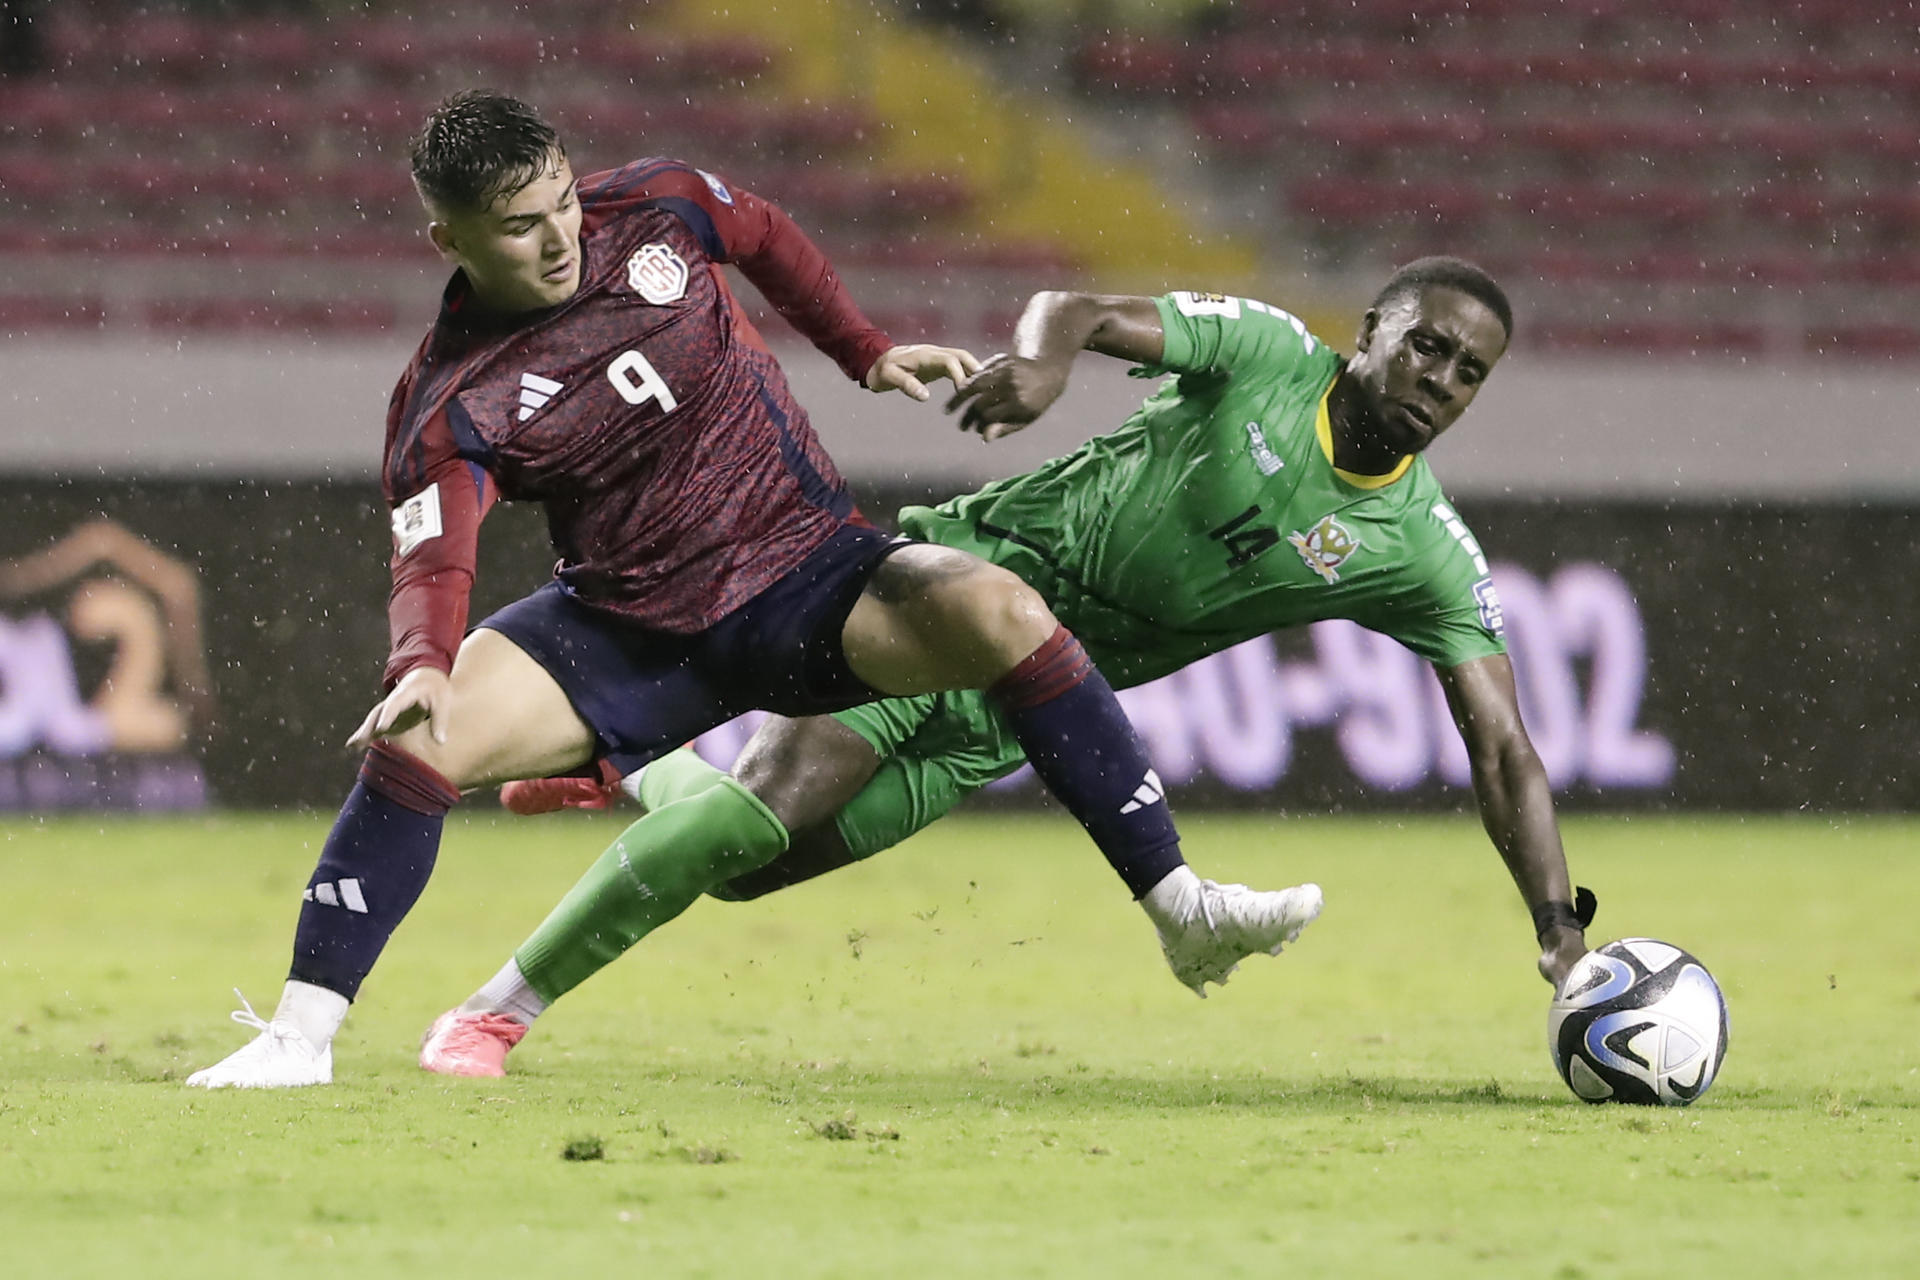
(657, 274)
(1325, 547)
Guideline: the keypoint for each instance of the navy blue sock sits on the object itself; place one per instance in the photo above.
(376, 861)
(1083, 747)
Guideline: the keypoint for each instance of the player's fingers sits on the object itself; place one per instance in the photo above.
(363, 736)
(956, 371)
(437, 720)
(911, 385)
(390, 714)
(963, 394)
(969, 361)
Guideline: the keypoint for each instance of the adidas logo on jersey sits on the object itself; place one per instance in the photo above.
(1150, 791)
(535, 391)
(337, 893)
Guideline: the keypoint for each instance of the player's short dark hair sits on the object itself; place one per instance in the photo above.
(1452, 273)
(477, 146)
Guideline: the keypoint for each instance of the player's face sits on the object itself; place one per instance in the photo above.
(1421, 360)
(522, 252)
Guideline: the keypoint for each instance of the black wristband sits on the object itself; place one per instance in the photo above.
(1577, 914)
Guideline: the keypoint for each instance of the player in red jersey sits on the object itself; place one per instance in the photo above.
(589, 356)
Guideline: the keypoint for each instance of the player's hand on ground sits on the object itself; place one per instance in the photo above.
(423, 694)
(1560, 950)
(909, 368)
(1007, 394)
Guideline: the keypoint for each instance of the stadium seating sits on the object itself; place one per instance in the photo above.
(157, 135)
(1614, 159)
(1646, 158)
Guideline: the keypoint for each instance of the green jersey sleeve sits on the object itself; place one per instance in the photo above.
(1445, 607)
(1214, 333)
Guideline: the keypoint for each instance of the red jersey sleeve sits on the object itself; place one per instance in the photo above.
(788, 269)
(436, 540)
(438, 497)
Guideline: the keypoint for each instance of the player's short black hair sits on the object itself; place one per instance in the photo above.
(1453, 273)
(478, 145)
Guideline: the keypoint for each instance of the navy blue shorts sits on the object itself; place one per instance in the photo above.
(644, 692)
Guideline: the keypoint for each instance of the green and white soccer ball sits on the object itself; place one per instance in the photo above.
(1638, 1021)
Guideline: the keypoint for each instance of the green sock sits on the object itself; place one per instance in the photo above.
(675, 776)
(653, 872)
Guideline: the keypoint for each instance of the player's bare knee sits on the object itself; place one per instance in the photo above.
(952, 594)
(1009, 618)
(804, 770)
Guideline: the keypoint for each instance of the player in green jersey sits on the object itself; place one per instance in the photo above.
(1268, 483)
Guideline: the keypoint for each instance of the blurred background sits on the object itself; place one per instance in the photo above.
(1694, 470)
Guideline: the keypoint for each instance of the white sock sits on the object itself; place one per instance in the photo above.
(314, 1011)
(507, 992)
(631, 783)
(1172, 903)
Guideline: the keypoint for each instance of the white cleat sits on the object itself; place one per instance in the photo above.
(1207, 929)
(280, 1057)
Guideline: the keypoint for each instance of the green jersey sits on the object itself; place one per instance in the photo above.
(1215, 514)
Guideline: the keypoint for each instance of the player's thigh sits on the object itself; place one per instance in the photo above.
(933, 618)
(508, 719)
(805, 768)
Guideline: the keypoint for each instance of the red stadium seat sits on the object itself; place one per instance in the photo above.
(651, 60)
(31, 314)
(268, 49)
(1883, 341)
(271, 315)
(1243, 128)
(45, 113)
(1650, 338)
(33, 176)
(1363, 201)
(1359, 131)
(174, 46)
(1132, 64)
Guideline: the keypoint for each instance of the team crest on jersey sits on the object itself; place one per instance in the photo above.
(1325, 547)
(657, 274)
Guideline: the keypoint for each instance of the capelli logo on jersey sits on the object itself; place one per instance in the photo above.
(657, 274)
(1263, 455)
(1325, 547)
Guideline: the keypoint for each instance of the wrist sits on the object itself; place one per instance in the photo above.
(1560, 914)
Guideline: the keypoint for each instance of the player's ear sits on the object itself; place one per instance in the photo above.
(1369, 325)
(441, 233)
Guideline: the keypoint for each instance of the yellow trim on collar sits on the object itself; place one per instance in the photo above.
(1323, 428)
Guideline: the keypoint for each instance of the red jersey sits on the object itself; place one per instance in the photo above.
(679, 475)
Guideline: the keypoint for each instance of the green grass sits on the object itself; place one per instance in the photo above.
(962, 1059)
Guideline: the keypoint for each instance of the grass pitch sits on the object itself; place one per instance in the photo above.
(965, 1058)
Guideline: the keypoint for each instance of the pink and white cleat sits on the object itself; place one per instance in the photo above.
(464, 1042)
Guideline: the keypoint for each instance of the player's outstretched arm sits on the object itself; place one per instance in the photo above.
(1012, 390)
(1516, 804)
(909, 368)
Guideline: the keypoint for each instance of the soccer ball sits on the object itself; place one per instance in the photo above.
(1638, 1021)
